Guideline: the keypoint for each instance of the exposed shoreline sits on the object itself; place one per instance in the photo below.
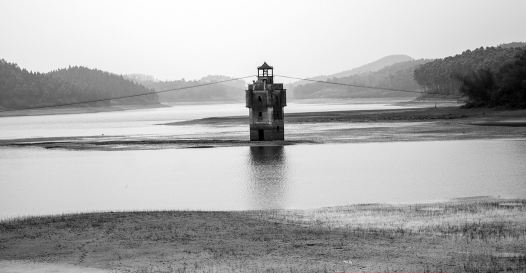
(411, 124)
(467, 234)
(68, 110)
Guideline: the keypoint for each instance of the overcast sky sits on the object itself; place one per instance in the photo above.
(191, 39)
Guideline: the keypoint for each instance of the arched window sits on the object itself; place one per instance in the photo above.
(278, 128)
(260, 114)
(259, 98)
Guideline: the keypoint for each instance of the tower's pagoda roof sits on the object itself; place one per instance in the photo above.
(265, 66)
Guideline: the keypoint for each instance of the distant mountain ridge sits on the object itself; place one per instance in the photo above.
(229, 81)
(228, 91)
(370, 67)
(374, 66)
(399, 76)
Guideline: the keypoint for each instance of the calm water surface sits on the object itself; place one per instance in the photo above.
(144, 122)
(36, 181)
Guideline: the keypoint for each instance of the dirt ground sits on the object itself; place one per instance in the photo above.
(419, 124)
(24, 266)
(468, 235)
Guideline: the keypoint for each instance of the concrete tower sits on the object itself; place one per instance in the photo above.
(265, 102)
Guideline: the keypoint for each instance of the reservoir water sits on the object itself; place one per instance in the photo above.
(35, 181)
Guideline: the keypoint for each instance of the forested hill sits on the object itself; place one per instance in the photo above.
(396, 76)
(107, 84)
(512, 45)
(436, 76)
(20, 88)
(232, 90)
(370, 67)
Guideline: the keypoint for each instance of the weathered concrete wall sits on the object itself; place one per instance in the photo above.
(249, 98)
(259, 99)
(265, 117)
(270, 131)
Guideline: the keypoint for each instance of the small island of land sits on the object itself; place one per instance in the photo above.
(422, 123)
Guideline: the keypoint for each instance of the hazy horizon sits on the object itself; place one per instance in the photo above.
(175, 40)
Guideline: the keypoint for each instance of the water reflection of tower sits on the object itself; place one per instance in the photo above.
(268, 177)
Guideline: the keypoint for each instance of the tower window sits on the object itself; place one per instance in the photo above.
(260, 114)
(259, 98)
(278, 128)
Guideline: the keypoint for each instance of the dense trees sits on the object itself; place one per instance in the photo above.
(505, 87)
(510, 87)
(396, 76)
(22, 89)
(476, 85)
(108, 85)
(436, 77)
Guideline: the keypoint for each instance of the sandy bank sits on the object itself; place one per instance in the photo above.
(427, 124)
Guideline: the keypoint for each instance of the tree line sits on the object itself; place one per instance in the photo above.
(397, 76)
(505, 86)
(108, 84)
(436, 77)
(20, 88)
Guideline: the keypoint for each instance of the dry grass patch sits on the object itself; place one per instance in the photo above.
(467, 236)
